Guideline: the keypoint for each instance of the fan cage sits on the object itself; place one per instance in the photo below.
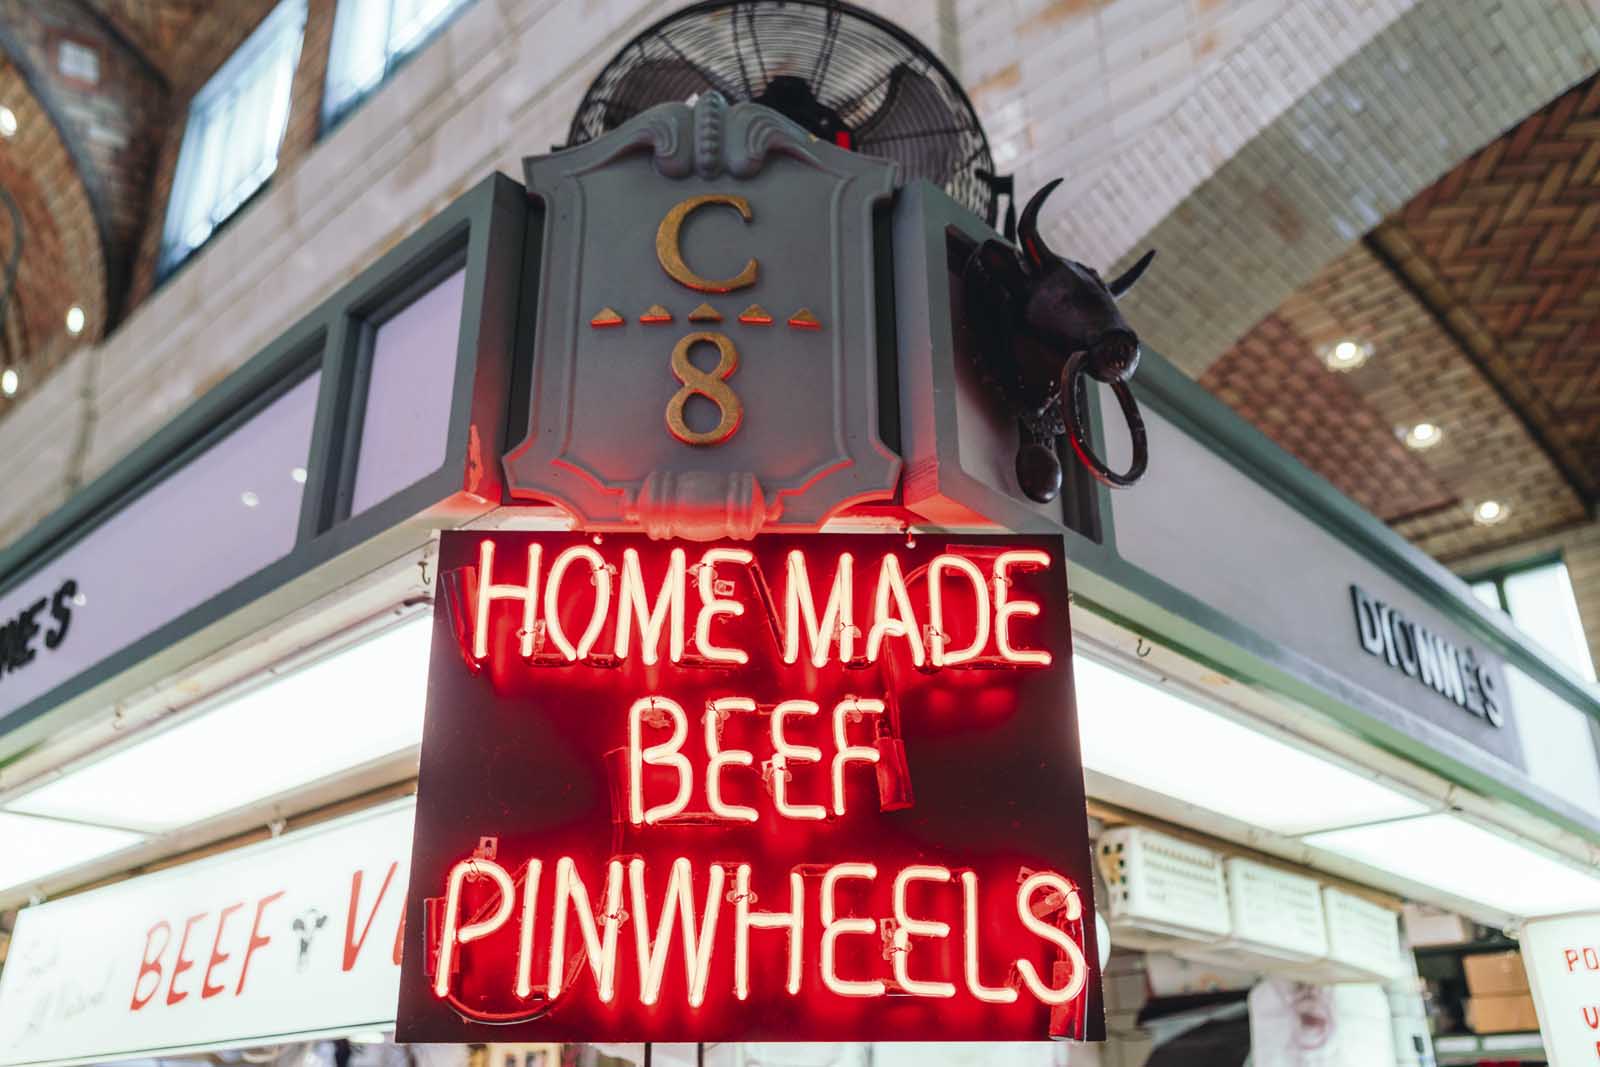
(897, 98)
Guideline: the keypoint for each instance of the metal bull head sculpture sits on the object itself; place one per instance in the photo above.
(1041, 321)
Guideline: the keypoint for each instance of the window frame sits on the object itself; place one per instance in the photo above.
(330, 115)
(1497, 576)
(286, 20)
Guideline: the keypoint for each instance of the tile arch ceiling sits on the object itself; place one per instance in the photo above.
(1301, 136)
(62, 259)
(157, 28)
(78, 167)
(1480, 302)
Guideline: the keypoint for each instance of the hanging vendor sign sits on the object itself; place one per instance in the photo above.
(801, 788)
(705, 338)
(281, 941)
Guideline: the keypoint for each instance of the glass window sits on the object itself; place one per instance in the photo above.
(406, 424)
(1540, 600)
(236, 123)
(369, 38)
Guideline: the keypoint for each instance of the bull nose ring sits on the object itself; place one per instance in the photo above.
(1074, 391)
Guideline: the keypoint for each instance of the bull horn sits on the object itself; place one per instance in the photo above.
(1124, 281)
(1034, 250)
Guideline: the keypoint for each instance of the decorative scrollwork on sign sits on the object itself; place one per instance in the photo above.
(709, 114)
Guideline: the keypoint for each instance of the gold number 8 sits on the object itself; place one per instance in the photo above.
(712, 385)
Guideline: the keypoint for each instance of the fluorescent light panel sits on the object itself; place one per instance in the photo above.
(1461, 858)
(32, 848)
(1149, 736)
(358, 705)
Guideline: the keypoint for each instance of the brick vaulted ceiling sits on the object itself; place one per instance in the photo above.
(157, 28)
(1480, 300)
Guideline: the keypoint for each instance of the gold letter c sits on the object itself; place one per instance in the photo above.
(670, 254)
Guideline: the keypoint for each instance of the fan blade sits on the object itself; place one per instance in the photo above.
(915, 127)
(651, 82)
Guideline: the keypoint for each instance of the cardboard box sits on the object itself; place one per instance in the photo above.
(1502, 1015)
(1495, 974)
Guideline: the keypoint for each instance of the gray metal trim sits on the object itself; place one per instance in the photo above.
(483, 229)
(1170, 392)
(1104, 583)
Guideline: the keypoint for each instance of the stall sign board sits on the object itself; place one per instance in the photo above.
(1562, 956)
(280, 941)
(705, 339)
(806, 787)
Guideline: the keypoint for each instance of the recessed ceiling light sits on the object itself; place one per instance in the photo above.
(1423, 435)
(1346, 355)
(249, 499)
(299, 475)
(1490, 513)
(75, 320)
(8, 122)
(10, 382)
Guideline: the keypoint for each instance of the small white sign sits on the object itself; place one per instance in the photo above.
(274, 942)
(1562, 957)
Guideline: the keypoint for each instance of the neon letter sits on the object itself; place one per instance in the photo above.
(697, 945)
(969, 946)
(905, 927)
(207, 989)
(1053, 934)
(632, 603)
(833, 928)
(937, 655)
(1005, 607)
(666, 754)
(151, 964)
(602, 951)
(892, 584)
(744, 919)
(846, 752)
(600, 576)
(713, 606)
(466, 933)
(783, 754)
(530, 900)
(838, 616)
(488, 591)
(719, 757)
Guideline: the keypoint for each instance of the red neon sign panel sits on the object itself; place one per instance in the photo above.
(804, 788)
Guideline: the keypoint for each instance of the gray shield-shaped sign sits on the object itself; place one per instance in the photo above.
(705, 356)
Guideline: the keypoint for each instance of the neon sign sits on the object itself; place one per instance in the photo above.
(803, 788)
